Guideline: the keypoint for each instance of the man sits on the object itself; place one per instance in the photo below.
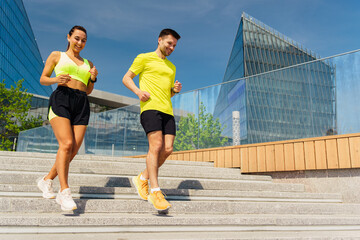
(157, 86)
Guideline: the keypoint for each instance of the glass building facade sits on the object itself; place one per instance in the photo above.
(116, 132)
(20, 56)
(275, 107)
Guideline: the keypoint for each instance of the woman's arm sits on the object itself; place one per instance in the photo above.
(50, 64)
(93, 71)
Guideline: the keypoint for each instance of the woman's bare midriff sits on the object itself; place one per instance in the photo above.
(75, 84)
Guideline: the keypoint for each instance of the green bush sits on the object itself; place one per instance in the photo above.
(14, 116)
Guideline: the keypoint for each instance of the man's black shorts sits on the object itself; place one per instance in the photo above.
(70, 103)
(153, 120)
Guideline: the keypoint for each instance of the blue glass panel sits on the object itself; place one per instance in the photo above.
(19, 51)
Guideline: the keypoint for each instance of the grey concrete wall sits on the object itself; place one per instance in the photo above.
(343, 181)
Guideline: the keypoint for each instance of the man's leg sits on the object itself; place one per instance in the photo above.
(156, 196)
(152, 160)
(160, 147)
(165, 152)
(167, 148)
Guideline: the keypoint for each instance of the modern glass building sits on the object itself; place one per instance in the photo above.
(275, 106)
(20, 56)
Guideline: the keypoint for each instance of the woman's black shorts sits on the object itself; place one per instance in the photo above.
(70, 103)
(153, 120)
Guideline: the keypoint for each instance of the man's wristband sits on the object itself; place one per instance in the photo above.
(172, 89)
(93, 81)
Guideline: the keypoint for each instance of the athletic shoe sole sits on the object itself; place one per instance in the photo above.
(65, 209)
(159, 209)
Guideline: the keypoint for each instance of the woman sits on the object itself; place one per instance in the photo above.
(69, 110)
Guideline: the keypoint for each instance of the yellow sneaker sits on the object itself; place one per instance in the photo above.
(158, 200)
(141, 186)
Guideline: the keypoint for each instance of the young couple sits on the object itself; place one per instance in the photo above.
(69, 111)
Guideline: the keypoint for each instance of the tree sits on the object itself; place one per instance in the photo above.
(204, 132)
(14, 116)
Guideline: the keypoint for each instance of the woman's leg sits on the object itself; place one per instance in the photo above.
(79, 133)
(64, 134)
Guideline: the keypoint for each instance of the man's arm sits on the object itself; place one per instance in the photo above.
(129, 83)
(176, 89)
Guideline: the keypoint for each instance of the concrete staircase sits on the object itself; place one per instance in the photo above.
(208, 203)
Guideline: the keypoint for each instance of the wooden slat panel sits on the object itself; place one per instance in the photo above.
(228, 158)
(320, 155)
(206, 156)
(216, 162)
(213, 156)
(289, 157)
(252, 159)
(329, 152)
(199, 157)
(220, 158)
(193, 156)
(309, 150)
(186, 156)
(344, 153)
(332, 154)
(270, 158)
(299, 156)
(260, 157)
(236, 157)
(354, 143)
(279, 157)
(244, 159)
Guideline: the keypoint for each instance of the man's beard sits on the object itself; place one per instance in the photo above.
(165, 53)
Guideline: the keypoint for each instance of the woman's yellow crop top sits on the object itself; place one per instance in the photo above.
(67, 66)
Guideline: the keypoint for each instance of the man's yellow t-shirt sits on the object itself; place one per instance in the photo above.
(156, 76)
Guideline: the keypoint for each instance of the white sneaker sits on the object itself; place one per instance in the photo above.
(64, 198)
(46, 187)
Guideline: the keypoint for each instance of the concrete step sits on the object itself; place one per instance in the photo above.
(96, 180)
(180, 226)
(106, 159)
(190, 235)
(140, 221)
(108, 167)
(220, 235)
(207, 203)
(38, 205)
(15, 190)
(50, 156)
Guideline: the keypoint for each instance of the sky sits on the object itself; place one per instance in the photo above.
(119, 30)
